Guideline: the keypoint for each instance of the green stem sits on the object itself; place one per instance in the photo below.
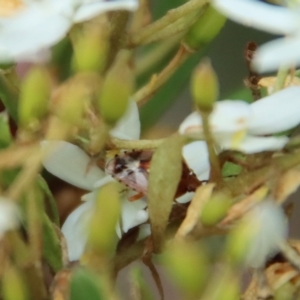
(280, 79)
(136, 144)
(171, 17)
(215, 172)
(157, 80)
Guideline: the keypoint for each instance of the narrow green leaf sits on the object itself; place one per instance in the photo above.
(165, 173)
(9, 97)
(51, 203)
(84, 285)
(51, 245)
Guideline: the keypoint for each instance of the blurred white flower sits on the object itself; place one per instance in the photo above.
(73, 165)
(274, 19)
(9, 216)
(29, 27)
(237, 125)
(269, 229)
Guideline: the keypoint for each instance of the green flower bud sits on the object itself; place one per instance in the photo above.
(102, 234)
(205, 29)
(116, 89)
(34, 95)
(204, 86)
(90, 50)
(215, 210)
(13, 286)
(187, 265)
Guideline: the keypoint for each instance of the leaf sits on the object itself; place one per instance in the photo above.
(165, 173)
(85, 286)
(51, 203)
(51, 245)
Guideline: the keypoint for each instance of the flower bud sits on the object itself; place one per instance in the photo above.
(90, 50)
(215, 209)
(204, 86)
(205, 29)
(34, 95)
(13, 287)
(116, 89)
(102, 233)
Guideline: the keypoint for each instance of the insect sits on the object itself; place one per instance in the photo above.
(132, 169)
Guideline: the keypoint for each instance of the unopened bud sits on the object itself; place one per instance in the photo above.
(102, 230)
(13, 287)
(116, 89)
(205, 29)
(90, 50)
(204, 86)
(215, 209)
(34, 96)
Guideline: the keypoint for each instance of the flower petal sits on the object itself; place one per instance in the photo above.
(284, 52)
(253, 144)
(270, 229)
(129, 126)
(10, 216)
(197, 159)
(93, 8)
(37, 27)
(275, 113)
(133, 213)
(227, 116)
(75, 229)
(262, 16)
(71, 164)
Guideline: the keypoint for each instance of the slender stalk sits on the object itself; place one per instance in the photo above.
(157, 80)
(280, 79)
(156, 55)
(171, 17)
(215, 172)
(136, 144)
(180, 25)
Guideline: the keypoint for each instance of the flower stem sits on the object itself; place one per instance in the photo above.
(280, 79)
(215, 173)
(145, 93)
(136, 144)
(171, 17)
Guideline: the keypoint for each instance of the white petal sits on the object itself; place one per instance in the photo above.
(94, 8)
(129, 126)
(71, 164)
(227, 116)
(75, 229)
(230, 116)
(262, 16)
(270, 226)
(10, 216)
(144, 231)
(185, 198)
(275, 113)
(192, 125)
(197, 159)
(35, 28)
(284, 52)
(253, 144)
(104, 181)
(133, 213)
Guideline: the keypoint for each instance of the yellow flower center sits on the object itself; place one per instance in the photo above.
(10, 7)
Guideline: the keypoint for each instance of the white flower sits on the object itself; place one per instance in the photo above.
(73, 165)
(34, 26)
(240, 126)
(9, 216)
(274, 19)
(269, 229)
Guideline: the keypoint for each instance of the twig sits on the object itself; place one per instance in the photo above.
(171, 17)
(157, 80)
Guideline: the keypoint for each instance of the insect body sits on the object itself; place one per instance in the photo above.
(132, 169)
